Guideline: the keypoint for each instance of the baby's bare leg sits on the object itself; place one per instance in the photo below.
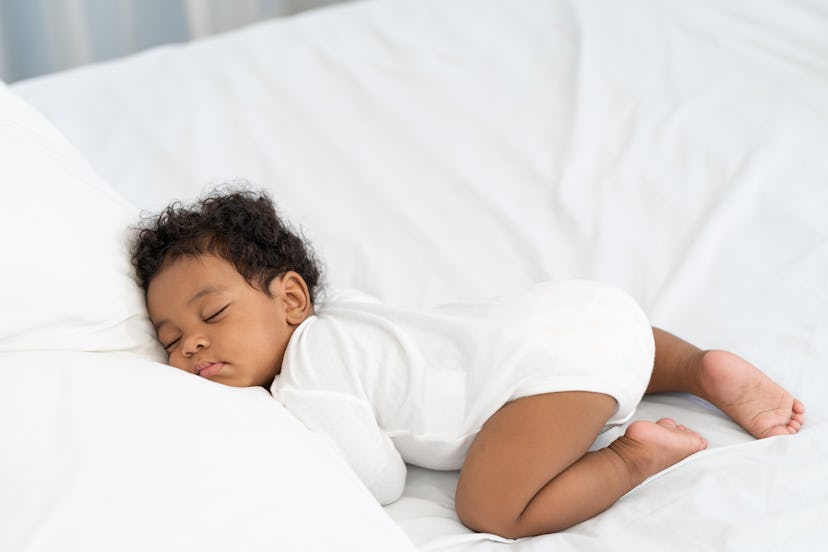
(729, 382)
(528, 471)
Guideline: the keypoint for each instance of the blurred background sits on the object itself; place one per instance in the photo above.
(43, 36)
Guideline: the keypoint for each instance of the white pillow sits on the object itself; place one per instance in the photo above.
(108, 451)
(65, 281)
(111, 451)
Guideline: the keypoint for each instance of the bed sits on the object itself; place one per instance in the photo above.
(433, 151)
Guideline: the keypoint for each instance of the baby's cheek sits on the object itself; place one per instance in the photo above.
(177, 362)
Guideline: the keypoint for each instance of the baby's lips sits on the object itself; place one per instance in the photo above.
(208, 370)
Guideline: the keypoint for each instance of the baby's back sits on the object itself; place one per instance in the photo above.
(433, 377)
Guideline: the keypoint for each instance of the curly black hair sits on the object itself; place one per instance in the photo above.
(240, 226)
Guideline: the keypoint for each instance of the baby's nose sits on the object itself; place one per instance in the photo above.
(195, 343)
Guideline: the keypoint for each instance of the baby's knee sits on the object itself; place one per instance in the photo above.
(491, 518)
(479, 520)
(483, 515)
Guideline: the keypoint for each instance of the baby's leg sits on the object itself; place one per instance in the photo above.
(528, 471)
(732, 384)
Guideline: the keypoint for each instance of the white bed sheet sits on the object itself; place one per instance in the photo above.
(440, 150)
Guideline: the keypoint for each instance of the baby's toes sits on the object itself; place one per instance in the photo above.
(798, 412)
(778, 430)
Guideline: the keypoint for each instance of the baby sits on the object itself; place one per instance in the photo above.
(511, 391)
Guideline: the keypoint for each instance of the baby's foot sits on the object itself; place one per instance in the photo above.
(747, 395)
(649, 447)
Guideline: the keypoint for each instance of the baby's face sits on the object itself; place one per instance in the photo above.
(214, 324)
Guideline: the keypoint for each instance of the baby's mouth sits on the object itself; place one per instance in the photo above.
(208, 369)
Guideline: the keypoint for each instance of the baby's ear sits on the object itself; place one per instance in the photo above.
(293, 289)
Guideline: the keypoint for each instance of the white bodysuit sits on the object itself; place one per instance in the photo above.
(392, 386)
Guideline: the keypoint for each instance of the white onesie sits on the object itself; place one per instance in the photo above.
(392, 386)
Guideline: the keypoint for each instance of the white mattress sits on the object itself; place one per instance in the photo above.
(441, 150)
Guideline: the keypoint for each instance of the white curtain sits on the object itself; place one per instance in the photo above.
(42, 36)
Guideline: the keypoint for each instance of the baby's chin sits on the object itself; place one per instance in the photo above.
(231, 376)
(228, 377)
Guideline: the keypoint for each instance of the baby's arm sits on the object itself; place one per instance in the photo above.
(350, 423)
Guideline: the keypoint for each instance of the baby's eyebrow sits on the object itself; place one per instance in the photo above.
(206, 291)
(198, 295)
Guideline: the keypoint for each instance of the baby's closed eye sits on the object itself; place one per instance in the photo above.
(169, 346)
(213, 316)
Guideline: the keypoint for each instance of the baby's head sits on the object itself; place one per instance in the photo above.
(226, 283)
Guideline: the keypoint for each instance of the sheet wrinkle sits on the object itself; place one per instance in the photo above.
(700, 247)
(764, 35)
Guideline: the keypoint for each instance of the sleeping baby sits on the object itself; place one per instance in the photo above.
(512, 391)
